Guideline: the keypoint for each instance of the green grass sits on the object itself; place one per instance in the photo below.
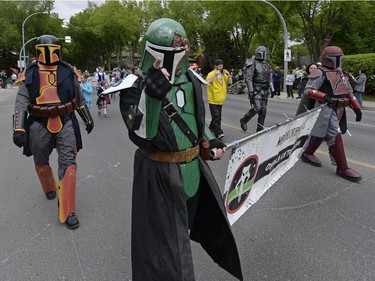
(368, 97)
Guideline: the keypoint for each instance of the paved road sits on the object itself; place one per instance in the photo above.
(311, 225)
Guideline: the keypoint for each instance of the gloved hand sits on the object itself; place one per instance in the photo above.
(215, 143)
(326, 99)
(250, 95)
(358, 115)
(217, 149)
(89, 127)
(157, 83)
(19, 138)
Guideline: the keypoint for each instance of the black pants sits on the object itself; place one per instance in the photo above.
(215, 125)
(289, 90)
(276, 86)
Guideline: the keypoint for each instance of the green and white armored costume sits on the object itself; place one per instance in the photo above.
(173, 189)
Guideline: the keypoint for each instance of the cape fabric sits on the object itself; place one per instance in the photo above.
(161, 216)
(66, 93)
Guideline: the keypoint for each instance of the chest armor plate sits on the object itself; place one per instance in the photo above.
(339, 84)
(262, 72)
(182, 97)
(48, 94)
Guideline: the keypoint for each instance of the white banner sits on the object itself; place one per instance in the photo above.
(259, 160)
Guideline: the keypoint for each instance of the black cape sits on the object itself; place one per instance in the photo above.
(161, 216)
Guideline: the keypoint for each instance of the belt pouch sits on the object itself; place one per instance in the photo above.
(205, 149)
(134, 120)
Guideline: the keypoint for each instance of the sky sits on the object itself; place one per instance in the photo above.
(68, 8)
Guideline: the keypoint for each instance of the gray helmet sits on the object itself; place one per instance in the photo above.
(261, 53)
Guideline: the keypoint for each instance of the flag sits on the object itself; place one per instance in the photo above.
(14, 70)
(259, 160)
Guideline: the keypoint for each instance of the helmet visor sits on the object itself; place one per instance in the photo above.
(170, 57)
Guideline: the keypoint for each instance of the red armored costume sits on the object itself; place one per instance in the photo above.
(329, 85)
(50, 94)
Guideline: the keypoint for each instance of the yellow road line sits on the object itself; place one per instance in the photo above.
(359, 163)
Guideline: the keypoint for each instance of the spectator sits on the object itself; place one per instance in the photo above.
(111, 84)
(217, 94)
(276, 80)
(306, 101)
(99, 77)
(86, 89)
(3, 79)
(290, 78)
(305, 78)
(13, 79)
(103, 99)
(360, 83)
(300, 74)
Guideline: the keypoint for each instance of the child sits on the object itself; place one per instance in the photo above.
(103, 100)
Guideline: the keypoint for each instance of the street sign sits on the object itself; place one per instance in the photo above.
(287, 55)
(21, 64)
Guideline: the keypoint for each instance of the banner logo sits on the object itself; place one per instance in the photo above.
(241, 184)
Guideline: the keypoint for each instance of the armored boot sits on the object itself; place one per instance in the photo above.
(47, 180)
(246, 118)
(261, 119)
(308, 155)
(67, 198)
(338, 153)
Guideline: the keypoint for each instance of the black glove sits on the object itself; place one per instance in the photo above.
(157, 85)
(215, 144)
(358, 115)
(251, 95)
(19, 138)
(89, 127)
(327, 99)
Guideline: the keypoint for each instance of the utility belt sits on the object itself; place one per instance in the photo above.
(263, 86)
(183, 156)
(46, 111)
(337, 102)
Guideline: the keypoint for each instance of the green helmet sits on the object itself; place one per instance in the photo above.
(166, 38)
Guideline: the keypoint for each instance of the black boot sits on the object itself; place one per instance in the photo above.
(243, 125)
(72, 221)
(51, 195)
(308, 155)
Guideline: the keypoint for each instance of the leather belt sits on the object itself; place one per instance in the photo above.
(183, 156)
(45, 111)
(344, 102)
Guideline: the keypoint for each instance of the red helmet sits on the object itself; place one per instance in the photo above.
(332, 57)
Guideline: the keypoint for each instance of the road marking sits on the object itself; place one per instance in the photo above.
(359, 163)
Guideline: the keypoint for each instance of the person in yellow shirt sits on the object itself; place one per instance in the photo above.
(217, 81)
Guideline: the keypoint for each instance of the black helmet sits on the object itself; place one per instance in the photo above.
(48, 50)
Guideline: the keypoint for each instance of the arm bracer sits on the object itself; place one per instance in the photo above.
(316, 94)
(353, 102)
(84, 112)
(19, 119)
